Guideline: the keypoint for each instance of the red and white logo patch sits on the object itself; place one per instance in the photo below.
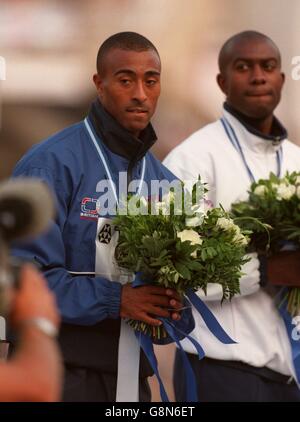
(88, 209)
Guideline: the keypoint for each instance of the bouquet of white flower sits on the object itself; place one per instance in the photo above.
(276, 203)
(181, 247)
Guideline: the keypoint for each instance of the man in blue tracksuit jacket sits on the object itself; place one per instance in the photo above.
(115, 137)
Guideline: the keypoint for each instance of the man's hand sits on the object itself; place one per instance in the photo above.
(144, 303)
(284, 269)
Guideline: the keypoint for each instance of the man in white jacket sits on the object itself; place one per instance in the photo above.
(246, 144)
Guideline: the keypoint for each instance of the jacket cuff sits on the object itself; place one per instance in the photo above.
(114, 300)
(263, 269)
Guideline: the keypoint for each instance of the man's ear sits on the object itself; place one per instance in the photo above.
(283, 78)
(221, 80)
(98, 81)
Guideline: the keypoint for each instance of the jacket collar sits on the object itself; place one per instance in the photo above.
(117, 139)
(278, 131)
(252, 139)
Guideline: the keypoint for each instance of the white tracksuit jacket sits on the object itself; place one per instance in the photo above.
(251, 318)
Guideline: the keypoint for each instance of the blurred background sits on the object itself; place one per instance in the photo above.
(50, 48)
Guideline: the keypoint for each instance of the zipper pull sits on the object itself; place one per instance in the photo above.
(276, 141)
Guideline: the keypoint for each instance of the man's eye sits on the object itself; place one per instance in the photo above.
(125, 81)
(151, 82)
(242, 66)
(270, 66)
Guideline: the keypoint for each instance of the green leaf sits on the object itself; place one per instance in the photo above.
(195, 265)
(183, 270)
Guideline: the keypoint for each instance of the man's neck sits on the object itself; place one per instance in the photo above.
(264, 125)
(117, 139)
(261, 125)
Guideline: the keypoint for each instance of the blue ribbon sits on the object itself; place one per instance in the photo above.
(139, 281)
(288, 245)
(146, 343)
(209, 318)
(191, 385)
(173, 331)
(176, 331)
(290, 327)
(147, 346)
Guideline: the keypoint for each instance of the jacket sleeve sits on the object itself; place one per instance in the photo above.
(249, 282)
(81, 300)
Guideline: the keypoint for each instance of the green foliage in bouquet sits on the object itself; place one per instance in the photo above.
(182, 250)
(275, 202)
(272, 213)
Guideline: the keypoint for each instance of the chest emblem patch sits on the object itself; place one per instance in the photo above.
(105, 234)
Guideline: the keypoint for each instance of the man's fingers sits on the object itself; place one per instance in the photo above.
(152, 321)
(175, 304)
(174, 294)
(158, 311)
(146, 302)
(164, 301)
(161, 291)
(175, 316)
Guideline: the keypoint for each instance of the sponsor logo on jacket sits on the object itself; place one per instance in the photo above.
(88, 209)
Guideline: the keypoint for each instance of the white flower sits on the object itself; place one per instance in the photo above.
(143, 202)
(298, 191)
(285, 191)
(197, 220)
(162, 207)
(225, 223)
(260, 190)
(239, 237)
(196, 207)
(168, 198)
(202, 207)
(228, 225)
(192, 236)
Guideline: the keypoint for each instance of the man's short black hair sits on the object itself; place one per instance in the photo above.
(225, 52)
(124, 41)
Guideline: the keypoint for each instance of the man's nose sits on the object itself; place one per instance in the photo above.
(139, 92)
(258, 75)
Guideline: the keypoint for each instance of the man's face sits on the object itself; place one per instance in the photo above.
(252, 80)
(129, 87)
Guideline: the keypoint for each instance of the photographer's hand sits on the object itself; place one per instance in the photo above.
(33, 299)
(35, 371)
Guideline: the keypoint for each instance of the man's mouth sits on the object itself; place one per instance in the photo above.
(259, 94)
(137, 110)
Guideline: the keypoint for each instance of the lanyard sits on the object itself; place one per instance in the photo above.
(236, 144)
(104, 162)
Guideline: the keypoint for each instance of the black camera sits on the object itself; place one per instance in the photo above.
(26, 208)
